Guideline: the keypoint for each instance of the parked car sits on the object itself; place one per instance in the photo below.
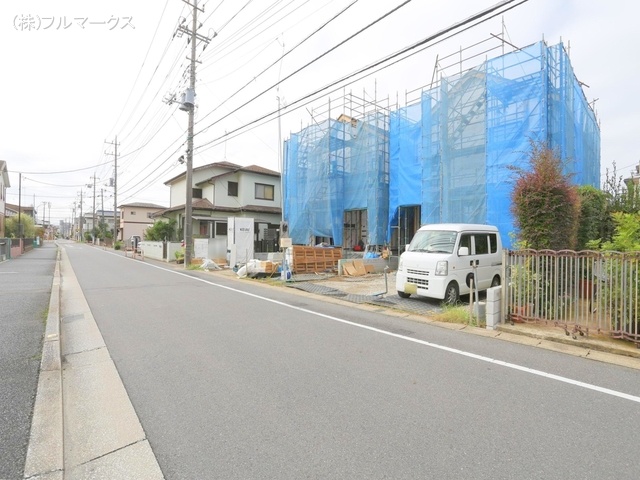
(442, 259)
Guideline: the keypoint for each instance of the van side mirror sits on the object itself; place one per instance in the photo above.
(463, 251)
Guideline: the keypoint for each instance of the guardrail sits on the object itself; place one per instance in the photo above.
(579, 291)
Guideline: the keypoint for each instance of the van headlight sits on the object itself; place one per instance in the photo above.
(400, 264)
(442, 268)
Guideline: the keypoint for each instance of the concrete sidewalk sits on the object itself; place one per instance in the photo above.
(84, 425)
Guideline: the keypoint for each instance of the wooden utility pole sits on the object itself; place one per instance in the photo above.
(115, 190)
(189, 105)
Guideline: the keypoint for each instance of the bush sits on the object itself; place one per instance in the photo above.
(12, 227)
(593, 216)
(161, 231)
(545, 205)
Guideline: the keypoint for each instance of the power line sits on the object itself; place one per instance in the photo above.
(64, 171)
(142, 65)
(477, 18)
(468, 23)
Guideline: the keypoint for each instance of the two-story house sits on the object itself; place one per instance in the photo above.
(135, 218)
(4, 184)
(222, 190)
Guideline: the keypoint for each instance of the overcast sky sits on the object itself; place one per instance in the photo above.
(76, 74)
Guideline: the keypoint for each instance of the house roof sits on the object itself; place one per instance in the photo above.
(231, 167)
(204, 204)
(10, 207)
(197, 203)
(142, 205)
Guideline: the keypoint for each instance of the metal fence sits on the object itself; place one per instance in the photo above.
(581, 292)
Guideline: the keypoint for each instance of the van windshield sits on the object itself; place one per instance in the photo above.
(433, 241)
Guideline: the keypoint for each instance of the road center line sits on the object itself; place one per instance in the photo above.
(531, 371)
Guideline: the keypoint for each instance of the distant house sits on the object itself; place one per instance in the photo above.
(135, 218)
(222, 190)
(4, 184)
(12, 210)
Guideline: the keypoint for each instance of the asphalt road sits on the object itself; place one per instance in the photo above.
(236, 380)
(25, 288)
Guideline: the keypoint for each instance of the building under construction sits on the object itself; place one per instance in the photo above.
(377, 172)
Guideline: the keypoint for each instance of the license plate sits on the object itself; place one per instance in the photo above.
(410, 288)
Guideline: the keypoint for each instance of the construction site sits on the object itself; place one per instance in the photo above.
(367, 173)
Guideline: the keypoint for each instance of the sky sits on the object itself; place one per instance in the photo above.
(78, 75)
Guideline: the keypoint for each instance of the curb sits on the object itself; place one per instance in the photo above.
(585, 343)
(85, 426)
(45, 452)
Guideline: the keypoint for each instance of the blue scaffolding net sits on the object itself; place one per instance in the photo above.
(446, 156)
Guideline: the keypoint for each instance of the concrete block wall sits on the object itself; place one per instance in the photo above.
(494, 297)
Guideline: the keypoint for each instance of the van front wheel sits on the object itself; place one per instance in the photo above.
(403, 294)
(452, 294)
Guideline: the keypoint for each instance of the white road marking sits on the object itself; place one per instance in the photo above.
(514, 366)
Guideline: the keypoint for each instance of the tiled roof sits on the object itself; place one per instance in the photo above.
(142, 205)
(231, 167)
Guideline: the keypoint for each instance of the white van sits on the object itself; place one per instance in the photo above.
(439, 261)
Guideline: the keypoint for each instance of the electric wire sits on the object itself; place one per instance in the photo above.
(478, 18)
(459, 24)
(135, 82)
(202, 148)
(322, 55)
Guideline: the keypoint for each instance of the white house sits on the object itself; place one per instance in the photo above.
(222, 190)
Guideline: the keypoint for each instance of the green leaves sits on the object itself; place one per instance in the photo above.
(545, 204)
(161, 230)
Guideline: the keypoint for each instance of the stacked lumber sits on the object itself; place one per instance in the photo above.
(315, 259)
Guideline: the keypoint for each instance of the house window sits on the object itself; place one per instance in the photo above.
(132, 212)
(197, 192)
(232, 189)
(264, 192)
(221, 229)
(204, 230)
(149, 215)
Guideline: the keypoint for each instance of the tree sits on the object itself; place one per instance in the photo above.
(161, 231)
(545, 204)
(594, 219)
(12, 227)
(103, 231)
(621, 197)
(627, 233)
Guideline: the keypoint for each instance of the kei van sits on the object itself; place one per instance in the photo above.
(442, 259)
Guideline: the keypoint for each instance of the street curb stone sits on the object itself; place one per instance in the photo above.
(45, 458)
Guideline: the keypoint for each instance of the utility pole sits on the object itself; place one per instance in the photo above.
(93, 212)
(20, 230)
(73, 222)
(189, 105)
(115, 190)
(102, 206)
(81, 224)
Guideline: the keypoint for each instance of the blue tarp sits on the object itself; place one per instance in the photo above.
(449, 153)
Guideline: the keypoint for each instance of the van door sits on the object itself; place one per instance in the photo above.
(463, 263)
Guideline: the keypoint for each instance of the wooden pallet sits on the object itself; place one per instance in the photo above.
(315, 259)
